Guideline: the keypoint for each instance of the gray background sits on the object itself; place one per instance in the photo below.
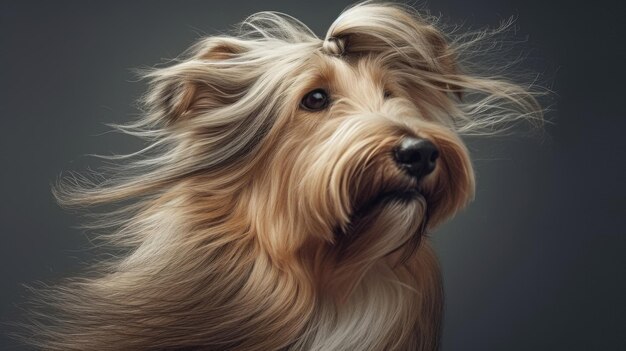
(535, 263)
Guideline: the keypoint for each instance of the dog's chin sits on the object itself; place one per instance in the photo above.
(394, 205)
(388, 222)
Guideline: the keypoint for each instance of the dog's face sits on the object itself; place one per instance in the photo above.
(357, 169)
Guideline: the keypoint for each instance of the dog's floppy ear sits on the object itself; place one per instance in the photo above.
(205, 79)
(444, 58)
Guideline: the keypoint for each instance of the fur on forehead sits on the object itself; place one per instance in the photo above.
(337, 74)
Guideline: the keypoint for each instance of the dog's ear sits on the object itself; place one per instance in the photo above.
(204, 80)
(444, 58)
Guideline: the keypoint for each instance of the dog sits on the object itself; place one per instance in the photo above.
(287, 193)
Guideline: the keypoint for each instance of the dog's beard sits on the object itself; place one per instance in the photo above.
(387, 229)
(400, 209)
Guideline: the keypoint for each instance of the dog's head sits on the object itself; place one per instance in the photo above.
(328, 139)
(334, 152)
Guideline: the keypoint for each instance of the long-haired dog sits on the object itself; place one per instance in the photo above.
(284, 198)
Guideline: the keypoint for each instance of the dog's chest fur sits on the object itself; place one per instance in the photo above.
(385, 312)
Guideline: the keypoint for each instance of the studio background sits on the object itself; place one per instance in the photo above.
(537, 262)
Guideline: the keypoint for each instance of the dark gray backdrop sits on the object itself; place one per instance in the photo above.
(537, 261)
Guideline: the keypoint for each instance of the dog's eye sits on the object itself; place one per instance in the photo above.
(387, 94)
(315, 100)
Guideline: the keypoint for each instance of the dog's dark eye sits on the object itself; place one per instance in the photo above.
(315, 100)
(387, 94)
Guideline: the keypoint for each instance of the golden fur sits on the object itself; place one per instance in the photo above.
(249, 223)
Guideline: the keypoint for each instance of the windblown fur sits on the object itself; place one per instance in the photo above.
(249, 223)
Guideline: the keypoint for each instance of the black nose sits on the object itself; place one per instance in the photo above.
(417, 156)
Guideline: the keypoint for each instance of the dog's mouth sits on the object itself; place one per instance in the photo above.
(384, 197)
(402, 197)
(410, 201)
(394, 203)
